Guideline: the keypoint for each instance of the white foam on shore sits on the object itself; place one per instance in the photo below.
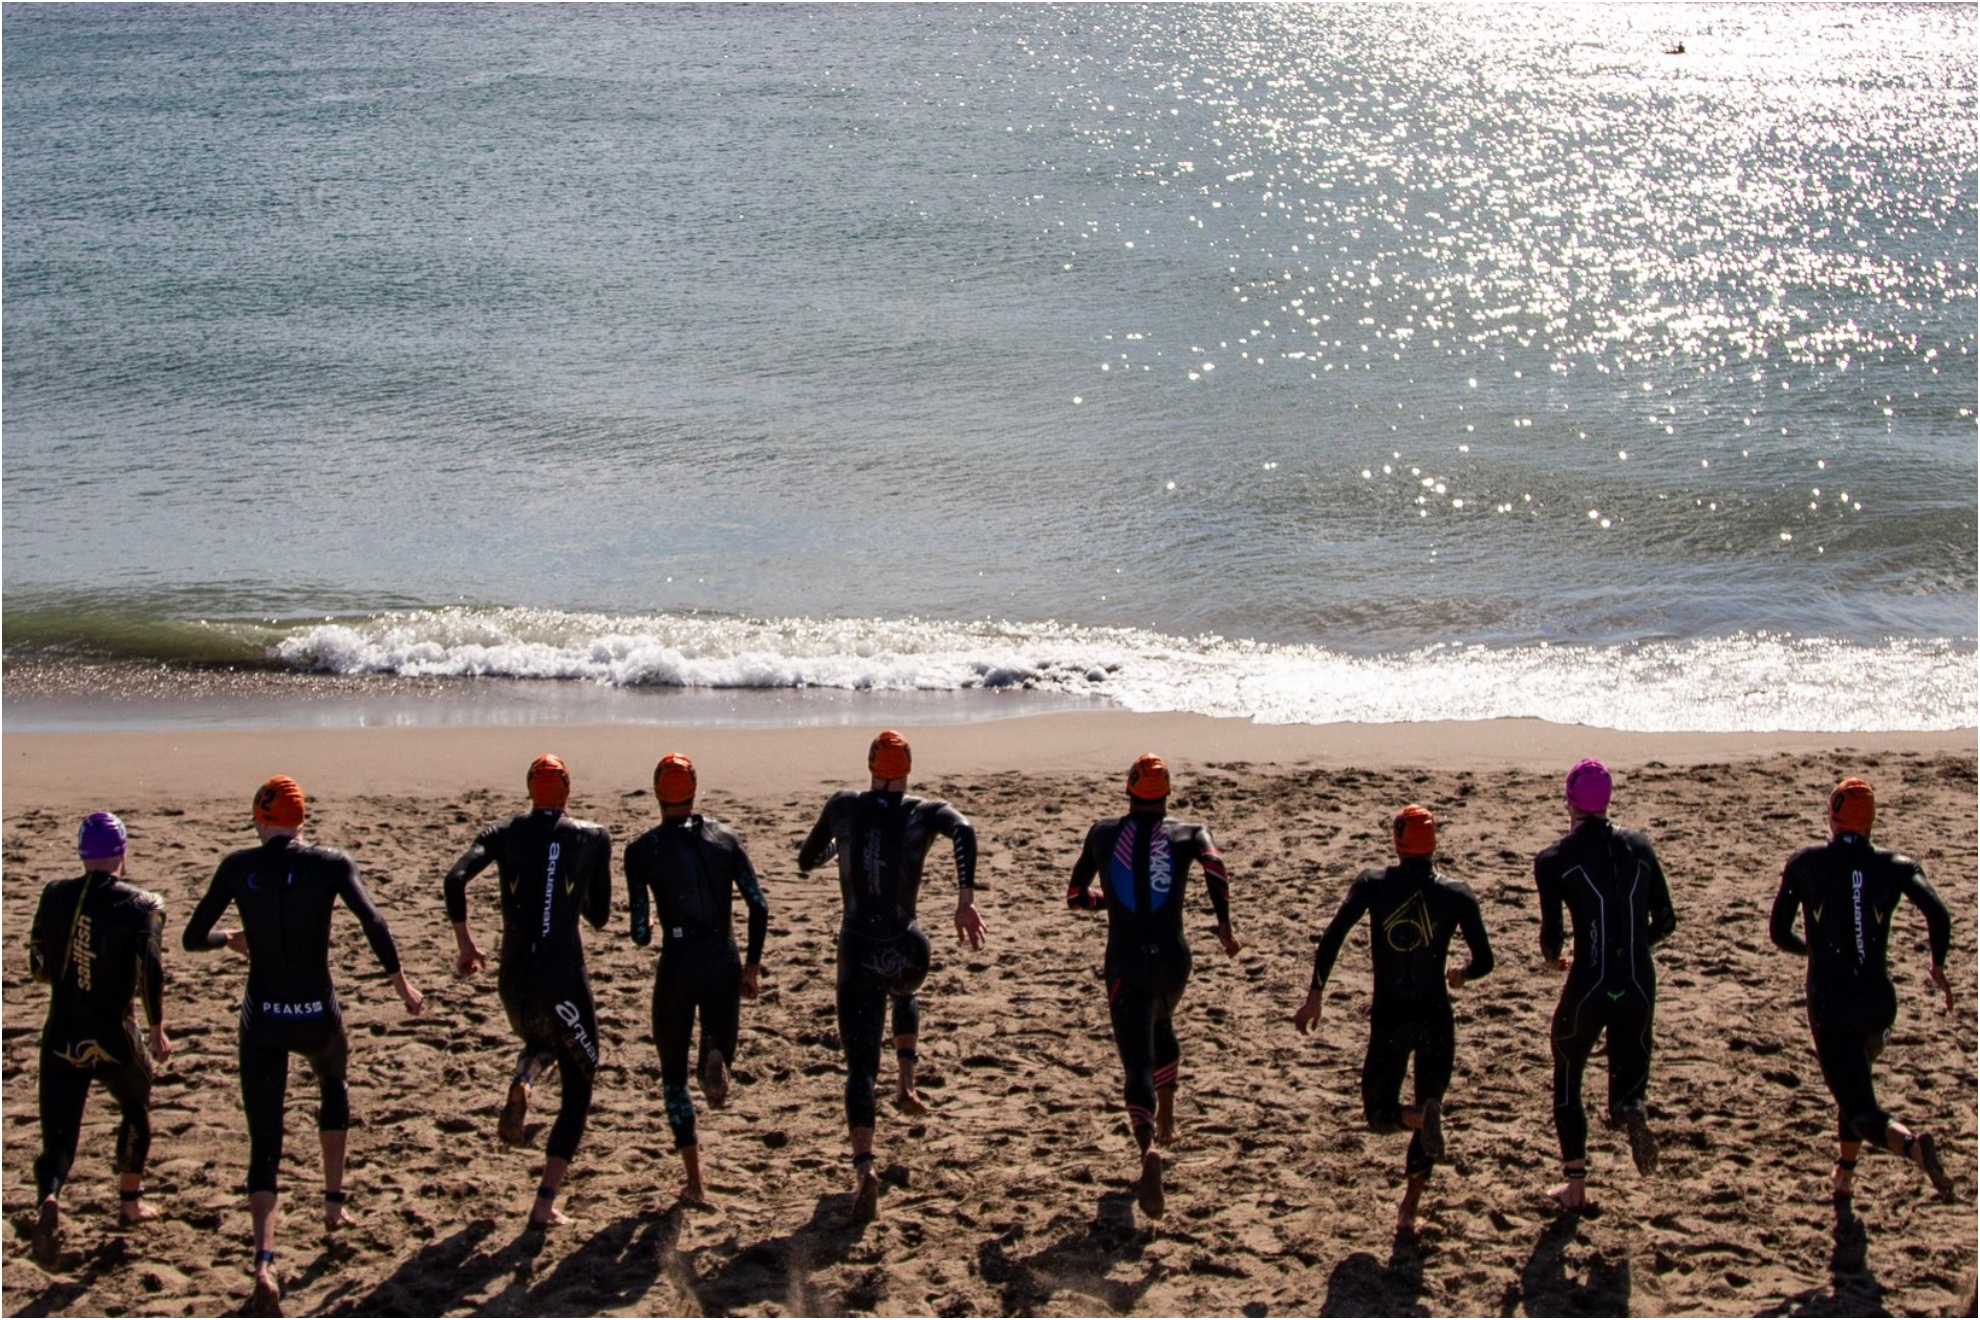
(1744, 683)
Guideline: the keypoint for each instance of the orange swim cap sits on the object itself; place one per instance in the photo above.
(674, 780)
(1853, 807)
(889, 757)
(1416, 832)
(549, 783)
(1148, 778)
(278, 804)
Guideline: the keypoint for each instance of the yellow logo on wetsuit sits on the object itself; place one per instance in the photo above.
(86, 1054)
(1409, 927)
(82, 956)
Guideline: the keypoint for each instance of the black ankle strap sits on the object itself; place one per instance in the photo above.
(1575, 1173)
(862, 1159)
(337, 1197)
(264, 1258)
(127, 1197)
(908, 1055)
(1847, 1166)
(546, 1193)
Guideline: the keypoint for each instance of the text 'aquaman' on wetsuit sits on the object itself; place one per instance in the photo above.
(1616, 898)
(553, 870)
(691, 868)
(284, 891)
(882, 841)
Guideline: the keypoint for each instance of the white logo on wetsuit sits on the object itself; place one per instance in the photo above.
(873, 861)
(1161, 868)
(1856, 904)
(311, 1009)
(550, 886)
(575, 1021)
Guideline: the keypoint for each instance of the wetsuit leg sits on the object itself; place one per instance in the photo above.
(576, 1047)
(64, 1090)
(1577, 1026)
(720, 1005)
(130, 1085)
(1432, 1035)
(264, 1097)
(1172, 968)
(1382, 1071)
(1630, 1021)
(527, 1019)
(1132, 1011)
(1845, 1057)
(862, 996)
(673, 1028)
(907, 1015)
(330, 1062)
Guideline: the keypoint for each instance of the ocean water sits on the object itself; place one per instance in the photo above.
(1304, 364)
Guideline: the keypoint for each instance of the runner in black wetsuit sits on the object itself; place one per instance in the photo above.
(554, 869)
(1620, 905)
(1413, 911)
(1142, 860)
(284, 891)
(882, 839)
(94, 941)
(1845, 893)
(692, 867)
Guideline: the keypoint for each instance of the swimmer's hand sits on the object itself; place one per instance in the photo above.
(237, 941)
(969, 922)
(1309, 1012)
(469, 958)
(751, 977)
(1228, 940)
(159, 1044)
(1559, 964)
(1454, 978)
(415, 1002)
(1945, 986)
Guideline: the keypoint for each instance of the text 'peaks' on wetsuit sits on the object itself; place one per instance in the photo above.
(1413, 911)
(284, 891)
(553, 870)
(1619, 905)
(95, 941)
(1142, 860)
(1845, 892)
(882, 841)
(691, 869)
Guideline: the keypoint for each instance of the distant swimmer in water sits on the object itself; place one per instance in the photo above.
(881, 838)
(95, 944)
(1619, 905)
(691, 867)
(284, 892)
(1845, 892)
(1674, 50)
(1141, 860)
(554, 869)
(1413, 911)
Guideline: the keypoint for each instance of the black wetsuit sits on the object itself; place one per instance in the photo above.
(1142, 860)
(95, 941)
(692, 867)
(1620, 905)
(284, 891)
(1845, 892)
(1413, 911)
(554, 869)
(882, 841)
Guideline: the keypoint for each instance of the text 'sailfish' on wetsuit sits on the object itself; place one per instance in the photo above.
(692, 868)
(1845, 892)
(95, 941)
(284, 891)
(1142, 859)
(553, 870)
(882, 841)
(1617, 899)
(1413, 912)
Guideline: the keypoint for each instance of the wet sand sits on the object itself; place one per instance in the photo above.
(1015, 1195)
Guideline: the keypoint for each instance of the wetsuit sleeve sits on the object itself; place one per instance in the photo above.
(1663, 914)
(1471, 923)
(1215, 878)
(752, 896)
(948, 821)
(1352, 908)
(358, 900)
(819, 845)
(199, 935)
(37, 945)
(1938, 921)
(636, 900)
(473, 862)
(1552, 933)
(1079, 893)
(1787, 906)
(151, 963)
(597, 907)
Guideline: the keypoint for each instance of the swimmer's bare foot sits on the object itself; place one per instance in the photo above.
(134, 1210)
(46, 1246)
(267, 1296)
(1642, 1141)
(335, 1213)
(1149, 1195)
(694, 1196)
(1925, 1153)
(1433, 1129)
(715, 1079)
(1165, 1116)
(1572, 1195)
(1406, 1212)
(909, 1102)
(547, 1215)
(866, 1199)
(514, 1114)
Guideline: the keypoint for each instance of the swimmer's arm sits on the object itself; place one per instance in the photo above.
(1552, 933)
(1938, 921)
(759, 907)
(151, 967)
(1471, 924)
(636, 900)
(37, 949)
(819, 845)
(1780, 924)
(199, 935)
(1079, 892)
(597, 908)
(1353, 908)
(970, 926)
(376, 932)
(1663, 913)
(472, 863)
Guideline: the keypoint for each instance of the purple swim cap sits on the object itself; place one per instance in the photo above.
(101, 837)
(1588, 788)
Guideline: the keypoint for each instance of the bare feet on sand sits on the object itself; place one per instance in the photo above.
(1433, 1129)
(1572, 1195)
(336, 1214)
(1149, 1195)
(547, 1215)
(909, 1102)
(135, 1212)
(267, 1296)
(866, 1198)
(1642, 1141)
(514, 1114)
(47, 1243)
(715, 1080)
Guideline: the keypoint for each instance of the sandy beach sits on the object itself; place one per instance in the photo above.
(1014, 1196)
